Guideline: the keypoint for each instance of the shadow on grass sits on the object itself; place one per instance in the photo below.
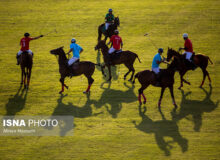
(112, 99)
(17, 102)
(113, 69)
(195, 108)
(161, 129)
(72, 110)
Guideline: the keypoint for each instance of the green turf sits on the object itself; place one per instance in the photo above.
(108, 124)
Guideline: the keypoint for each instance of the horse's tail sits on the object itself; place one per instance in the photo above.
(138, 58)
(209, 60)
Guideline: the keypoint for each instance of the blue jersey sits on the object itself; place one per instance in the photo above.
(76, 49)
(157, 57)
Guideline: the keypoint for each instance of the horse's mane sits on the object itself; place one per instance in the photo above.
(173, 50)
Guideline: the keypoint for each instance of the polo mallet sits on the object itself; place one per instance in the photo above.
(53, 31)
(147, 35)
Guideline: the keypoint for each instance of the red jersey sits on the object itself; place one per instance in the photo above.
(188, 45)
(25, 43)
(116, 41)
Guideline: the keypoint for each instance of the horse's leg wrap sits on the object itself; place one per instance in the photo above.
(89, 86)
(139, 99)
(144, 97)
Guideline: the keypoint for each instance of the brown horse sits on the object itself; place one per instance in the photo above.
(26, 66)
(110, 31)
(127, 58)
(199, 60)
(85, 67)
(148, 77)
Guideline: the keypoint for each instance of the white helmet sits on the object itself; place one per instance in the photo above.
(73, 40)
(185, 35)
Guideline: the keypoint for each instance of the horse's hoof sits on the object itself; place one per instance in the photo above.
(60, 92)
(21, 83)
(179, 88)
(175, 106)
(86, 92)
(66, 87)
(140, 103)
(144, 102)
(133, 82)
(210, 85)
(200, 86)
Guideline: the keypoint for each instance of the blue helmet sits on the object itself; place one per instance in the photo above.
(160, 50)
(110, 10)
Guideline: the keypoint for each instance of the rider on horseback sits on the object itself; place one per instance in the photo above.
(24, 42)
(76, 49)
(109, 19)
(155, 64)
(188, 47)
(116, 43)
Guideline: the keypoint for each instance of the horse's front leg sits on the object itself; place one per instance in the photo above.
(110, 74)
(172, 95)
(181, 81)
(102, 69)
(161, 96)
(62, 84)
(28, 77)
(22, 76)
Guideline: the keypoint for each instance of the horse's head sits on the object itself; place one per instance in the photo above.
(171, 53)
(57, 51)
(100, 44)
(117, 21)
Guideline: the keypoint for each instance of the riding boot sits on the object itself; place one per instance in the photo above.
(109, 59)
(18, 59)
(158, 79)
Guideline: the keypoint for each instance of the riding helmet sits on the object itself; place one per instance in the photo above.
(185, 35)
(73, 40)
(110, 10)
(116, 31)
(160, 50)
(26, 34)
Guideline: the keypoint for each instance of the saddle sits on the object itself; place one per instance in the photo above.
(115, 55)
(73, 68)
(156, 79)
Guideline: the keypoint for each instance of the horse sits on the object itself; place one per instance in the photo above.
(148, 77)
(110, 31)
(26, 66)
(84, 67)
(199, 60)
(126, 57)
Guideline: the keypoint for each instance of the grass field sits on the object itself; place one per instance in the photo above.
(109, 123)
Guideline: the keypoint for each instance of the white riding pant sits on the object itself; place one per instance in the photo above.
(188, 55)
(111, 50)
(29, 51)
(107, 25)
(72, 60)
(156, 70)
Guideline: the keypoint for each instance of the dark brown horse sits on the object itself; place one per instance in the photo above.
(127, 58)
(85, 67)
(110, 31)
(148, 77)
(26, 66)
(199, 60)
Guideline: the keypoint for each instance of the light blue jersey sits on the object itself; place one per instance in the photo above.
(76, 49)
(157, 57)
